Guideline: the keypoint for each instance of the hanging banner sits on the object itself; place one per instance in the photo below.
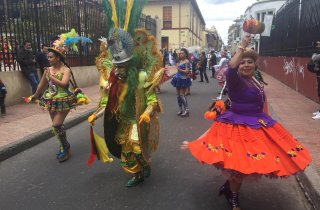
(268, 25)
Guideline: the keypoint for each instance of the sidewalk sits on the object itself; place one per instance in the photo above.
(294, 112)
(26, 125)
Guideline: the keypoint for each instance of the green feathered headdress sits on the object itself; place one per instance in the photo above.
(124, 14)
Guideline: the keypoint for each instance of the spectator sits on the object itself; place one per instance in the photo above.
(42, 58)
(3, 93)
(314, 67)
(175, 56)
(27, 62)
(202, 66)
(212, 62)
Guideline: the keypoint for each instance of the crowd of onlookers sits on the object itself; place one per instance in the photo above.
(200, 62)
(29, 62)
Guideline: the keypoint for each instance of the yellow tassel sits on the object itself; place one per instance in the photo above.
(114, 14)
(128, 13)
(102, 148)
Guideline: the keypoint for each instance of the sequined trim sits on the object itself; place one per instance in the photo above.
(293, 152)
(256, 156)
(212, 148)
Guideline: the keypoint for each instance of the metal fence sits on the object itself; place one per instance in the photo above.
(296, 26)
(40, 21)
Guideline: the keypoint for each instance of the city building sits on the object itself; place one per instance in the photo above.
(179, 22)
(257, 10)
(213, 39)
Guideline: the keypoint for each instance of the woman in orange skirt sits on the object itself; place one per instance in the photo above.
(245, 141)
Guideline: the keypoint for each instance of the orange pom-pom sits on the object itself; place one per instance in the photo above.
(210, 115)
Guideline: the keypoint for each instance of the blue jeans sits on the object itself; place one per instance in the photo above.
(34, 81)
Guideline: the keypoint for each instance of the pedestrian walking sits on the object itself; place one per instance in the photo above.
(3, 93)
(212, 63)
(202, 66)
(42, 58)
(245, 141)
(181, 81)
(27, 62)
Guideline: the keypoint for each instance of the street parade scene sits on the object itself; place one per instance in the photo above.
(160, 104)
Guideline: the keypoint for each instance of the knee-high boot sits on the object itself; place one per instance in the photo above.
(180, 105)
(64, 152)
(185, 105)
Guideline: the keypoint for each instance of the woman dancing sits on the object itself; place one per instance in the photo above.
(245, 141)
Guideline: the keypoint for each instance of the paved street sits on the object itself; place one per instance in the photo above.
(34, 179)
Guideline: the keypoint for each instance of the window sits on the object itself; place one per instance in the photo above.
(258, 16)
(167, 17)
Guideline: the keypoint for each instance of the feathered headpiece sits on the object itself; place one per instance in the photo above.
(68, 41)
(122, 19)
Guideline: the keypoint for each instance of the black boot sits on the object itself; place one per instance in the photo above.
(225, 190)
(234, 200)
(64, 152)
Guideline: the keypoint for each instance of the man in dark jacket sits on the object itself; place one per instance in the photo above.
(27, 63)
(212, 62)
(202, 66)
(42, 58)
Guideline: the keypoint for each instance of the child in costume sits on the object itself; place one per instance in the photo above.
(131, 125)
(56, 97)
(245, 141)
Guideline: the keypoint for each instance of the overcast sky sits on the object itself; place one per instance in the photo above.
(221, 13)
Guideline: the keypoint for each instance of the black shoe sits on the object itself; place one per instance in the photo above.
(225, 190)
(207, 81)
(179, 113)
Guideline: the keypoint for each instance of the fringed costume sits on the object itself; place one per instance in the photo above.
(56, 98)
(131, 69)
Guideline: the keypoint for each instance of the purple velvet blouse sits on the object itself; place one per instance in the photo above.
(247, 101)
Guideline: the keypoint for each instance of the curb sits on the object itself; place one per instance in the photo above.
(309, 180)
(31, 140)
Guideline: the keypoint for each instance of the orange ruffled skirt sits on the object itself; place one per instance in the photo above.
(268, 151)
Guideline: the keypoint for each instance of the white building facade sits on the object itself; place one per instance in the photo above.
(259, 10)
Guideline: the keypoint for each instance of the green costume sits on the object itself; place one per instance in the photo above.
(130, 65)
